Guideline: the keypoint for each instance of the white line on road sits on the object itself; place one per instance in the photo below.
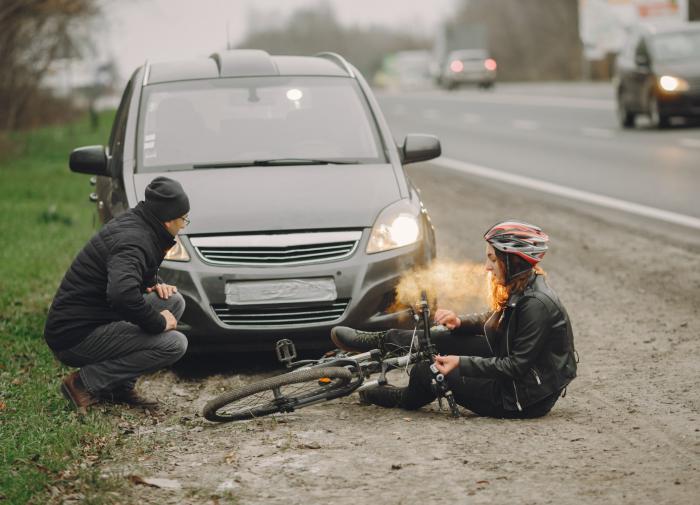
(601, 133)
(512, 99)
(574, 194)
(685, 142)
(525, 124)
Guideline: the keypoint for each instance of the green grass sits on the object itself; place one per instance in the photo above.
(45, 218)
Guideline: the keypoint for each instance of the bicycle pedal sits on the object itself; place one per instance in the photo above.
(286, 351)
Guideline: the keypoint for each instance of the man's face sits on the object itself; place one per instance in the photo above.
(493, 266)
(175, 225)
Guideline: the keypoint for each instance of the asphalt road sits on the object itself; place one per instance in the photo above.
(562, 134)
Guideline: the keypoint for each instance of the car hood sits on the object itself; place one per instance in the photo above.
(685, 69)
(279, 198)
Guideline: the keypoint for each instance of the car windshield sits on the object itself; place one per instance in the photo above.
(229, 122)
(676, 46)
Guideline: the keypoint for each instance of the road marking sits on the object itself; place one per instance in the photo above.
(533, 100)
(601, 133)
(574, 194)
(524, 124)
(694, 143)
(471, 118)
(431, 114)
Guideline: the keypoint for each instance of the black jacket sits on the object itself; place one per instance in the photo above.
(532, 342)
(107, 279)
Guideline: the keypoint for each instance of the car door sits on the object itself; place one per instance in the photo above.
(640, 77)
(110, 190)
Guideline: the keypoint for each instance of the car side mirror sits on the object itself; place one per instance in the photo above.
(417, 147)
(89, 160)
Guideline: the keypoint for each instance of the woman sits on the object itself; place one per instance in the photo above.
(513, 361)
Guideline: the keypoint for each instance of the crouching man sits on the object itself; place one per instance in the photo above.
(112, 317)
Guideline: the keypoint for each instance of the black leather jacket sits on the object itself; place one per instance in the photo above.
(533, 345)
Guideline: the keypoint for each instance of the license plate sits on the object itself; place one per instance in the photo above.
(280, 291)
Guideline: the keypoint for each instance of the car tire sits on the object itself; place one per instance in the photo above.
(658, 119)
(625, 118)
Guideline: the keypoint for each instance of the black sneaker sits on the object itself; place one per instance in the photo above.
(384, 396)
(349, 339)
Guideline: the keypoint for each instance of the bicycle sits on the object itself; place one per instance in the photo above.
(327, 378)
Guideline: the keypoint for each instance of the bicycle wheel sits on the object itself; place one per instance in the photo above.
(276, 394)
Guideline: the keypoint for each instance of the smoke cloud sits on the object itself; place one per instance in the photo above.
(461, 287)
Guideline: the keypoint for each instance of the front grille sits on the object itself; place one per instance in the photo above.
(285, 316)
(276, 249)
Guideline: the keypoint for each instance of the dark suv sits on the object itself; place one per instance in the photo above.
(658, 74)
(302, 216)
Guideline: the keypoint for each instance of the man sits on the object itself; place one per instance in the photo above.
(112, 316)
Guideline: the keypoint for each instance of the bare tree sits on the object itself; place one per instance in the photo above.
(530, 39)
(310, 30)
(33, 33)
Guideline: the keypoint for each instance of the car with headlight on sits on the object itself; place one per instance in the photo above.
(657, 74)
(302, 216)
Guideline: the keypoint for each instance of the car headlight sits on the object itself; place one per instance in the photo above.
(177, 252)
(398, 225)
(670, 83)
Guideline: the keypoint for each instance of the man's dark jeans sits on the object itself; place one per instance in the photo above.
(116, 354)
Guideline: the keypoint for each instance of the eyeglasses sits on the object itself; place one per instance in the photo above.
(185, 219)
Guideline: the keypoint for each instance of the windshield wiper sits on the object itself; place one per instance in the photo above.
(277, 161)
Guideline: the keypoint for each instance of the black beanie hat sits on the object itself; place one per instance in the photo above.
(166, 199)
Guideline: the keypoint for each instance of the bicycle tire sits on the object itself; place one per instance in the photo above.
(267, 401)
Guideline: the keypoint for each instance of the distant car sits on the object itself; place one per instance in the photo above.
(658, 74)
(302, 216)
(468, 66)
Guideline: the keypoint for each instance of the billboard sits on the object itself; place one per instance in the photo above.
(603, 24)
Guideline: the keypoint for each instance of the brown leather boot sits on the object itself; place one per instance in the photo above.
(74, 390)
(131, 397)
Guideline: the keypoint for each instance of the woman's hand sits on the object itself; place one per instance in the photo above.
(447, 318)
(164, 291)
(445, 364)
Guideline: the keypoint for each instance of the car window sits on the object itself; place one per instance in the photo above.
(676, 46)
(116, 136)
(243, 119)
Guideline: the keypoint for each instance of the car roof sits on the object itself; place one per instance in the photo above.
(469, 53)
(246, 63)
(670, 27)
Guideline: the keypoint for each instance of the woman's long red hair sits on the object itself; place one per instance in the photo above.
(499, 293)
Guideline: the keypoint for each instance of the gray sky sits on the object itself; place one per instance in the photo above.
(172, 29)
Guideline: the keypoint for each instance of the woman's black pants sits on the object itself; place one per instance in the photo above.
(480, 395)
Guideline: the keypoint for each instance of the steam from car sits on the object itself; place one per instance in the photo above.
(458, 286)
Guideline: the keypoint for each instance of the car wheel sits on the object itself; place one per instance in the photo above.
(625, 118)
(451, 85)
(657, 118)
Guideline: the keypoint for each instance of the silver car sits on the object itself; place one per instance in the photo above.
(302, 216)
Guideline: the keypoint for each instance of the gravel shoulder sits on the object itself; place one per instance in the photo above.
(627, 431)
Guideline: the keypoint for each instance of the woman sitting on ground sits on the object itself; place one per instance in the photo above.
(513, 361)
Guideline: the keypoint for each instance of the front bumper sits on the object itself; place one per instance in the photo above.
(683, 103)
(365, 281)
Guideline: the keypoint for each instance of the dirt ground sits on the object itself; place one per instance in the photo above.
(627, 432)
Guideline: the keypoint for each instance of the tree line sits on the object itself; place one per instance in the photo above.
(33, 34)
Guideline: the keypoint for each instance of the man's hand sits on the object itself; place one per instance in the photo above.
(445, 364)
(170, 321)
(447, 318)
(163, 290)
